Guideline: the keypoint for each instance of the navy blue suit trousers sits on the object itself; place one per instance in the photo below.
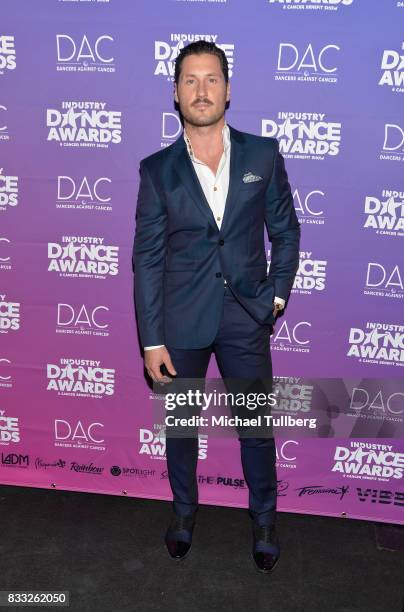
(242, 350)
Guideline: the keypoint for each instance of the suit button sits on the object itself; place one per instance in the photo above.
(221, 242)
(218, 274)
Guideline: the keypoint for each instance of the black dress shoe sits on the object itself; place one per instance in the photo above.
(178, 537)
(266, 549)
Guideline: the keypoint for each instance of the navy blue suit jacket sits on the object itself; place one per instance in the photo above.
(180, 256)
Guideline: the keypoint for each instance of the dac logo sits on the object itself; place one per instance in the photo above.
(9, 429)
(4, 135)
(306, 64)
(84, 321)
(170, 129)
(368, 461)
(393, 149)
(384, 281)
(14, 460)
(77, 435)
(383, 344)
(83, 256)
(393, 69)
(7, 53)
(317, 5)
(304, 135)
(87, 379)
(307, 210)
(84, 193)
(285, 454)
(83, 56)
(292, 337)
(9, 315)
(165, 53)
(382, 406)
(84, 124)
(386, 214)
(8, 190)
(311, 274)
(5, 259)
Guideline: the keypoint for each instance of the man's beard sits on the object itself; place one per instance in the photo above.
(202, 121)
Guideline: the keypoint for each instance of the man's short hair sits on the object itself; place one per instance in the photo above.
(196, 48)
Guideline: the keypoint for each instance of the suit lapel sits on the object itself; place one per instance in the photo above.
(236, 171)
(186, 172)
(189, 178)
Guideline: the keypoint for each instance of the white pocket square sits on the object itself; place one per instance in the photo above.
(249, 177)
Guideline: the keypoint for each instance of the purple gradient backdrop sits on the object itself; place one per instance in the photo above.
(363, 31)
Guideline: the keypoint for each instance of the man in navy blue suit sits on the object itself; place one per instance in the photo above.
(201, 282)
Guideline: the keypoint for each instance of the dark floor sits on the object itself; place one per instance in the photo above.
(108, 552)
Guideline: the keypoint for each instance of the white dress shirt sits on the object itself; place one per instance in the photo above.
(215, 187)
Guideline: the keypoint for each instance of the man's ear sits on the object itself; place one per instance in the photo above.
(228, 92)
(175, 93)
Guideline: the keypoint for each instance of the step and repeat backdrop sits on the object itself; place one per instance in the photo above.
(86, 91)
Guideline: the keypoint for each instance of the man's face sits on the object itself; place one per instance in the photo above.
(201, 91)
